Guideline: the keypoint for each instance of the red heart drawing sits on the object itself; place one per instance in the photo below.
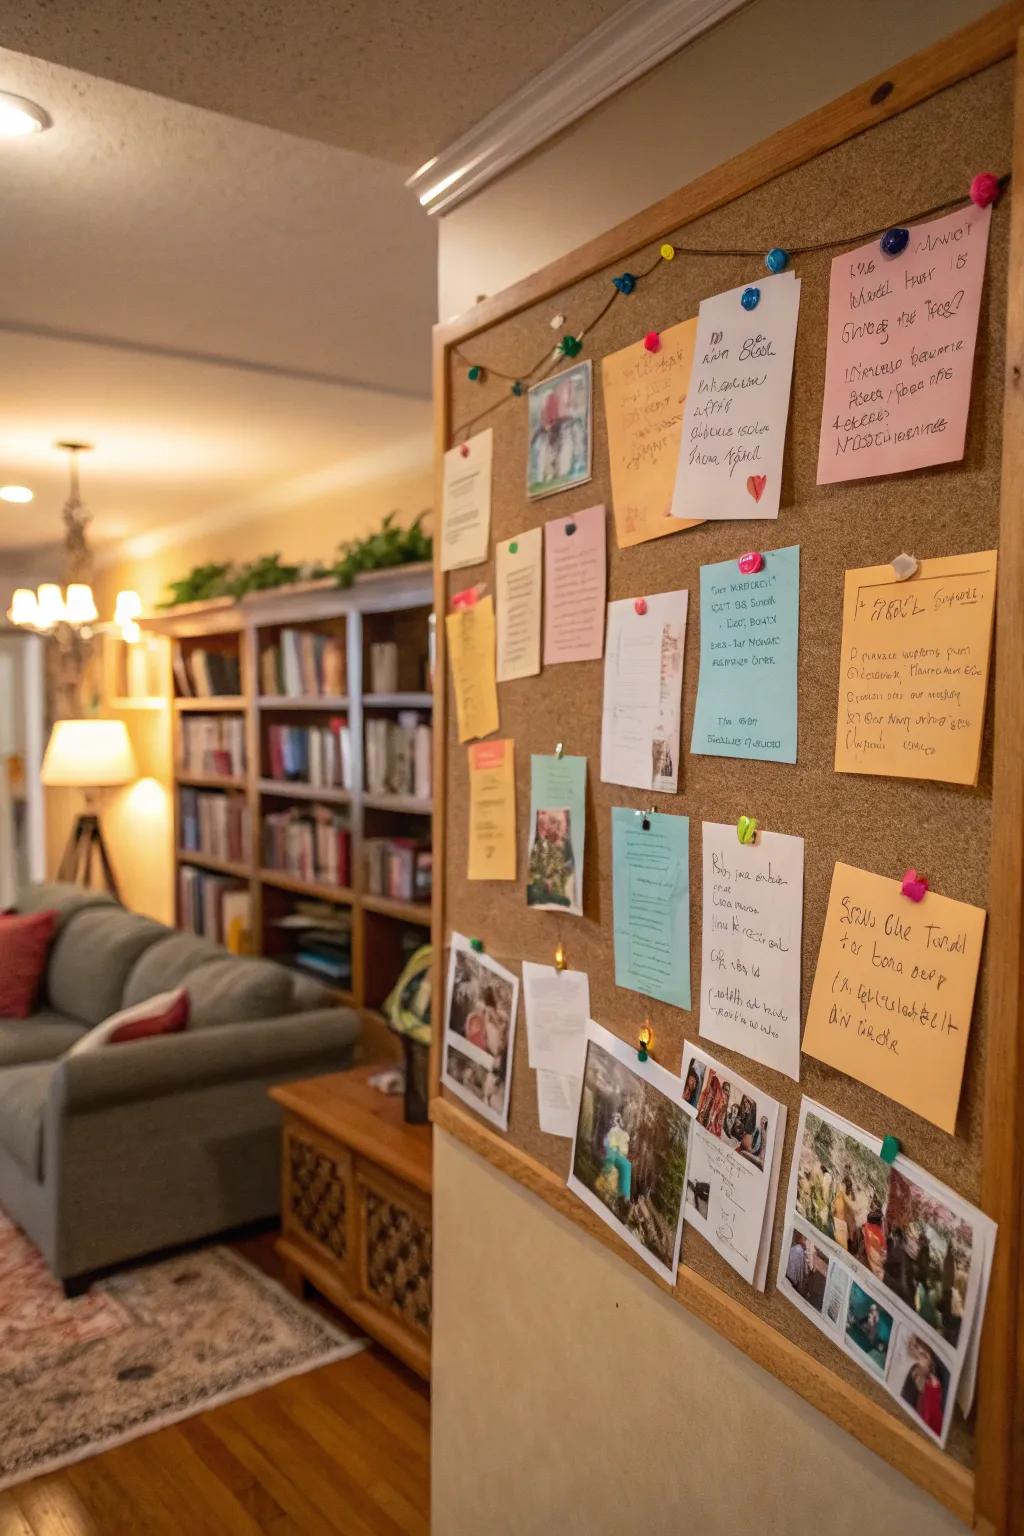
(756, 485)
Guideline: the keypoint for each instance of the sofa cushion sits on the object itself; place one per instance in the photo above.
(61, 897)
(25, 939)
(166, 964)
(43, 1036)
(92, 957)
(233, 991)
(23, 1093)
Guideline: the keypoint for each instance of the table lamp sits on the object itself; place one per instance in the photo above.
(89, 755)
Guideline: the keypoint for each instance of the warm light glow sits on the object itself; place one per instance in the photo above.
(147, 799)
(15, 493)
(80, 607)
(88, 754)
(131, 634)
(443, 185)
(19, 117)
(127, 607)
(50, 605)
(23, 609)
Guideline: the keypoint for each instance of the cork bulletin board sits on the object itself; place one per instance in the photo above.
(873, 159)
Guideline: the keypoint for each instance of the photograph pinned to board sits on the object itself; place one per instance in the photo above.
(893, 990)
(466, 502)
(629, 1153)
(479, 1031)
(492, 810)
(889, 1263)
(470, 634)
(737, 405)
(517, 582)
(750, 945)
(643, 680)
(749, 642)
(651, 904)
(900, 349)
(560, 431)
(644, 399)
(556, 1004)
(732, 1178)
(557, 833)
(924, 646)
(575, 583)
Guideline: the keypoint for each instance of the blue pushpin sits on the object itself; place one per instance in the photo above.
(750, 298)
(777, 260)
(894, 242)
(626, 283)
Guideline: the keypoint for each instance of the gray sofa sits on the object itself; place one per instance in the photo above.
(112, 1154)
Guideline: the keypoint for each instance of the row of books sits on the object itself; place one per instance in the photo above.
(215, 907)
(202, 674)
(213, 744)
(320, 755)
(399, 755)
(312, 842)
(216, 824)
(322, 938)
(398, 867)
(304, 664)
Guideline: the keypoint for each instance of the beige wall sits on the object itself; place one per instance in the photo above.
(569, 1395)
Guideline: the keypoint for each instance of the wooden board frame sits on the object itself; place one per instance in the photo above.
(992, 1497)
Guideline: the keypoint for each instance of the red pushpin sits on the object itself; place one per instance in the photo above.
(914, 885)
(751, 562)
(652, 341)
(641, 606)
(985, 189)
(464, 450)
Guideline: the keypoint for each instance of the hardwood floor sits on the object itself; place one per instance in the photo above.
(345, 1448)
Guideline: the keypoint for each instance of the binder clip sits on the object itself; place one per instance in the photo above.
(914, 885)
(559, 959)
(890, 1149)
(558, 749)
(477, 945)
(746, 830)
(645, 1040)
(904, 566)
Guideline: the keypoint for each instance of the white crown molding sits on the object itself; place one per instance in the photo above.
(627, 45)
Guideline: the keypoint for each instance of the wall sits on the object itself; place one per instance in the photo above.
(568, 1394)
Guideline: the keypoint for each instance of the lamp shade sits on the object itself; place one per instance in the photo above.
(88, 754)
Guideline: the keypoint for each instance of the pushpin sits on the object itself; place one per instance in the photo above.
(914, 885)
(464, 450)
(751, 562)
(558, 749)
(559, 959)
(985, 189)
(646, 823)
(904, 566)
(626, 283)
(746, 829)
(477, 945)
(894, 242)
(668, 252)
(570, 345)
(475, 373)
(652, 341)
(517, 387)
(890, 1149)
(750, 298)
(513, 548)
(777, 260)
(556, 322)
(645, 1041)
(640, 606)
(570, 528)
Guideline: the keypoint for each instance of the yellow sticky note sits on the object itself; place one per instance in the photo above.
(914, 669)
(471, 648)
(644, 397)
(894, 991)
(492, 811)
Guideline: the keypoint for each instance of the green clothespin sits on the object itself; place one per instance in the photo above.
(890, 1149)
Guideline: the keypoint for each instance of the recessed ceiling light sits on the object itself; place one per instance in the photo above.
(15, 493)
(19, 117)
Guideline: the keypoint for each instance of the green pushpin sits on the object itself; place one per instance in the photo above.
(746, 829)
(890, 1149)
(478, 945)
(513, 548)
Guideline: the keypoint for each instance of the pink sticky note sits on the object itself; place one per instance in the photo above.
(574, 587)
(901, 334)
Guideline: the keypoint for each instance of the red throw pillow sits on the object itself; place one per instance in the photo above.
(25, 939)
(169, 1020)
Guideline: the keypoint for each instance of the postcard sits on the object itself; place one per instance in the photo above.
(749, 640)
(492, 810)
(517, 580)
(651, 891)
(913, 670)
(466, 502)
(643, 680)
(735, 1155)
(558, 826)
(644, 398)
(629, 1152)
(479, 1031)
(893, 991)
(575, 577)
(560, 431)
(750, 945)
(470, 633)
(900, 349)
(557, 1007)
(734, 426)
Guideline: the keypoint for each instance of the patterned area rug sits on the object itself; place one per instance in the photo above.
(143, 1349)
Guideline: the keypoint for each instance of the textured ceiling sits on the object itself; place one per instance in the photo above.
(398, 81)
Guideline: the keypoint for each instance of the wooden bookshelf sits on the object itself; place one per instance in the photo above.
(393, 605)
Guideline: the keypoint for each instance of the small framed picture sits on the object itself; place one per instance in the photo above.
(560, 446)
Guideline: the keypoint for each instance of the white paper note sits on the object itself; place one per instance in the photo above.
(734, 428)
(517, 567)
(750, 963)
(466, 502)
(558, 1098)
(643, 676)
(557, 1006)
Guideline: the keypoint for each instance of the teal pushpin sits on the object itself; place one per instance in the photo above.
(890, 1149)
(478, 945)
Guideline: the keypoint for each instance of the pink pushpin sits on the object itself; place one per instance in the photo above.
(641, 606)
(652, 341)
(464, 450)
(914, 885)
(984, 189)
(751, 562)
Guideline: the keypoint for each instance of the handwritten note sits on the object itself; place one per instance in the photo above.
(914, 669)
(643, 679)
(750, 965)
(900, 350)
(651, 880)
(517, 565)
(492, 811)
(734, 427)
(644, 397)
(557, 1007)
(557, 835)
(894, 990)
(749, 639)
(574, 587)
(470, 633)
(466, 502)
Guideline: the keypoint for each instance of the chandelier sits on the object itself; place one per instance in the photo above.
(48, 609)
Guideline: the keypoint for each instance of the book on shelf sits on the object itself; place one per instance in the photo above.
(322, 940)
(311, 842)
(215, 907)
(216, 824)
(303, 664)
(213, 744)
(320, 755)
(384, 666)
(399, 755)
(203, 674)
(398, 867)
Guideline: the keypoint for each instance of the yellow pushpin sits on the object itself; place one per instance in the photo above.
(559, 959)
(645, 1041)
(668, 252)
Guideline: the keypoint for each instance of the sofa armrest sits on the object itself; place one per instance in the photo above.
(146, 1069)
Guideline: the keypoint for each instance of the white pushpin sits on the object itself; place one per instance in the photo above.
(904, 566)
(556, 322)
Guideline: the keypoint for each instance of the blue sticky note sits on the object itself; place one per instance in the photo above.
(749, 639)
(651, 880)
